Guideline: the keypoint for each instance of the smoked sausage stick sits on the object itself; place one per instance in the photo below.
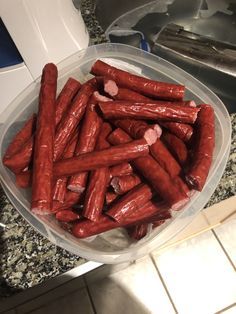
(139, 84)
(138, 129)
(121, 170)
(130, 202)
(148, 111)
(203, 153)
(123, 184)
(181, 130)
(158, 150)
(21, 137)
(97, 159)
(21, 160)
(65, 97)
(98, 181)
(158, 178)
(90, 129)
(87, 228)
(176, 146)
(42, 178)
(72, 118)
(60, 186)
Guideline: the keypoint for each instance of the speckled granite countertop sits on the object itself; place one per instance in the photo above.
(27, 258)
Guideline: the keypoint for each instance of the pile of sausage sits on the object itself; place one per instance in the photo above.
(119, 150)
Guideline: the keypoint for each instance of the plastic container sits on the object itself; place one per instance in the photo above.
(114, 246)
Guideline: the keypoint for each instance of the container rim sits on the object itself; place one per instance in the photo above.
(116, 51)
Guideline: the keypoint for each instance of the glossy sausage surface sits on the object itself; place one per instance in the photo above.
(42, 177)
(148, 111)
(203, 152)
(97, 159)
(140, 84)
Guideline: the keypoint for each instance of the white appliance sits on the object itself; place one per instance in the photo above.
(42, 31)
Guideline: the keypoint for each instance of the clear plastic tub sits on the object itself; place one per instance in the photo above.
(114, 246)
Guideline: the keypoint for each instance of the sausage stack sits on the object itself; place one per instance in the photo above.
(119, 150)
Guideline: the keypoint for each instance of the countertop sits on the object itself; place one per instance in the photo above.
(27, 258)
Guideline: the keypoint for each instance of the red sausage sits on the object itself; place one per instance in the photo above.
(67, 215)
(110, 197)
(176, 146)
(138, 129)
(138, 232)
(130, 202)
(128, 94)
(182, 185)
(203, 152)
(71, 119)
(42, 179)
(181, 130)
(20, 161)
(21, 137)
(98, 97)
(23, 157)
(87, 228)
(154, 174)
(163, 156)
(71, 199)
(87, 140)
(103, 158)
(65, 97)
(123, 169)
(95, 194)
(102, 138)
(59, 190)
(118, 137)
(123, 184)
(140, 84)
(24, 179)
(98, 181)
(148, 111)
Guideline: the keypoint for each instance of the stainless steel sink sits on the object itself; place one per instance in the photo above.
(124, 21)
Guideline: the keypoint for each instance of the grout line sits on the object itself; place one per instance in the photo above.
(224, 250)
(164, 285)
(226, 308)
(90, 296)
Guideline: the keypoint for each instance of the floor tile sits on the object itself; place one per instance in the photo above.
(226, 233)
(198, 275)
(75, 303)
(44, 299)
(48, 287)
(134, 290)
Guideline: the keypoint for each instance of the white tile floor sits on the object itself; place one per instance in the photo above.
(199, 277)
(227, 236)
(136, 289)
(195, 276)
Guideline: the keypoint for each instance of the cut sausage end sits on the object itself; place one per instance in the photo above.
(40, 211)
(76, 188)
(151, 136)
(158, 130)
(99, 97)
(110, 87)
(115, 185)
(192, 103)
